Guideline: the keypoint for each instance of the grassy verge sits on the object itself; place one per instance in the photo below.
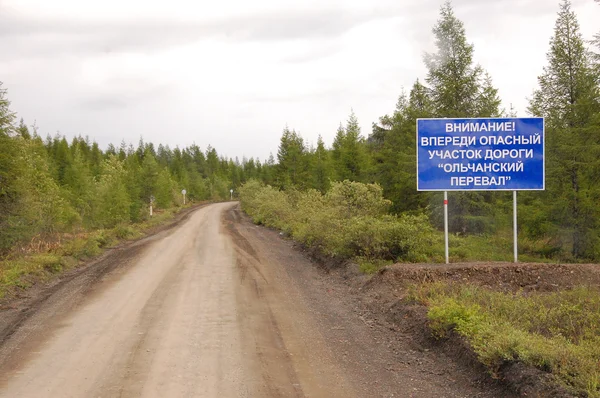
(556, 332)
(21, 271)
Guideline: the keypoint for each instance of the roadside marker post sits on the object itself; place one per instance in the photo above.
(231, 194)
(183, 192)
(151, 202)
(446, 227)
(481, 154)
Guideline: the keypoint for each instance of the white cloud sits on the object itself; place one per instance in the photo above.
(233, 73)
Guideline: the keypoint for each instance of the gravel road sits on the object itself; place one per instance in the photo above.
(215, 307)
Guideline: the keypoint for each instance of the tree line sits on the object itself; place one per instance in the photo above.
(52, 186)
(564, 219)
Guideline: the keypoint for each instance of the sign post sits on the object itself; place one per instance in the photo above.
(515, 227)
(446, 250)
(183, 192)
(151, 202)
(481, 154)
(231, 194)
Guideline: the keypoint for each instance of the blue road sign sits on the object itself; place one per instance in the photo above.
(480, 154)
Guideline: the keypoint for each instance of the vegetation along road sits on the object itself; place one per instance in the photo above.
(214, 307)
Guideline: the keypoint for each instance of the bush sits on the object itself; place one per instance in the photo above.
(348, 221)
(555, 332)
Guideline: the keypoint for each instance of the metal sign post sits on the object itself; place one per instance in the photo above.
(446, 227)
(481, 154)
(515, 226)
(231, 194)
(183, 192)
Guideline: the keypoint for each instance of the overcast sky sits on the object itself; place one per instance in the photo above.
(233, 73)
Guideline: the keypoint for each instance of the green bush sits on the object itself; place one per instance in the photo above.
(556, 332)
(348, 221)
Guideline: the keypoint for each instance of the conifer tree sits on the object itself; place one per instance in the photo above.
(459, 88)
(453, 79)
(292, 167)
(336, 152)
(568, 98)
(321, 167)
(353, 157)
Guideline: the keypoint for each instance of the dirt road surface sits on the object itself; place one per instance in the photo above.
(215, 307)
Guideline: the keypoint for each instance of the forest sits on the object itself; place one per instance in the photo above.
(561, 223)
(52, 186)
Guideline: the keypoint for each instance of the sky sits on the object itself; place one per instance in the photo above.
(233, 73)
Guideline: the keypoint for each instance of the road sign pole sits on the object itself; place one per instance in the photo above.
(515, 226)
(446, 226)
(150, 210)
(184, 199)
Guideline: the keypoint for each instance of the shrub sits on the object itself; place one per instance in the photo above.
(348, 221)
(555, 332)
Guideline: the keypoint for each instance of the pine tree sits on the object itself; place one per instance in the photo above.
(9, 170)
(150, 171)
(95, 160)
(78, 184)
(268, 170)
(7, 117)
(596, 53)
(199, 159)
(321, 167)
(212, 162)
(112, 203)
(566, 88)
(453, 80)
(459, 88)
(488, 102)
(353, 157)
(568, 98)
(336, 153)
(23, 130)
(165, 188)
(395, 155)
(293, 166)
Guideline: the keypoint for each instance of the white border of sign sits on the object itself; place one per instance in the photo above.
(481, 118)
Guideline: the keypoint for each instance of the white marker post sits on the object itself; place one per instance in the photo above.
(446, 226)
(183, 192)
(151, 201)
(515, 226)
(231, 194)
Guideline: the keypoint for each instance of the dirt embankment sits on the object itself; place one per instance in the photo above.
(505, 277)
(384, 296)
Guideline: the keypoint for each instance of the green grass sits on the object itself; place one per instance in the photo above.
(488, 247)
(556, 332)
(22, 271)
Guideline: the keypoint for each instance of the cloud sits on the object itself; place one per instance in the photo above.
(102, 104)
(233, 73)
(121, 93)
(44, 37)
